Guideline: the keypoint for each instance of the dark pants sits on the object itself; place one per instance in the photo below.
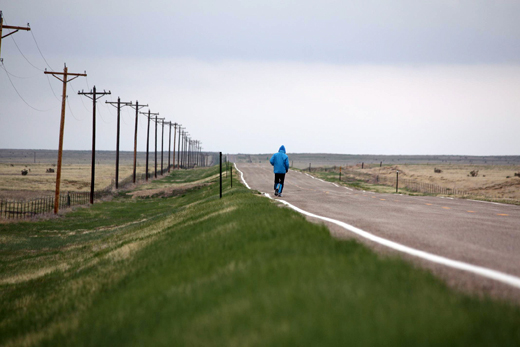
(279, 178)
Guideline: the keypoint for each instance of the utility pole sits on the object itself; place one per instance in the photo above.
(169, 144)
(188, 144)
(186, 162)
(183, 142)
(119, 104)
(65, 80)
(148, 137)
(15, 28)
(93, 95)
(174, 140)
(162, 148)
(137, 108)
(179, 149)
(156, 120)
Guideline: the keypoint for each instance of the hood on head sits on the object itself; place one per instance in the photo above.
(282, 149)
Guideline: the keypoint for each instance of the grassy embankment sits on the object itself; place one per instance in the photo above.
(191, 269)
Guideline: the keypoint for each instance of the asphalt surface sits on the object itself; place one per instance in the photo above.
(478, 233)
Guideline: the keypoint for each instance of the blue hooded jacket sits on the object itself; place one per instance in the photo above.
(280, 161)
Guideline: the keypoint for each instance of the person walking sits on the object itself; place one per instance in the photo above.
(280, 161)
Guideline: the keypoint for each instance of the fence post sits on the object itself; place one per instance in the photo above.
(231, 172)
(397, 182)
(340, 173)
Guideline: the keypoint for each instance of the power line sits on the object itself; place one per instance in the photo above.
(23, 55)
(34, 108)
(70, 109)
(103, 118)
(85, 107)
(12, 75)
(52, 89)
(37, 46)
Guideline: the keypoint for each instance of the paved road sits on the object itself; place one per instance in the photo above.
(478, 233)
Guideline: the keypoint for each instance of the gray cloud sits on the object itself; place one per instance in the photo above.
(379, 32)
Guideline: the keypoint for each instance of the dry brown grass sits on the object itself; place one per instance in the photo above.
(74, 177)
(492, 179)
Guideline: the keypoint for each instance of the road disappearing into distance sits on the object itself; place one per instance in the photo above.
(472, 245)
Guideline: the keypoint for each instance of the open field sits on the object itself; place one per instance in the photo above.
(182, 267)
(492, 181)
(74, 177)
(76, 171)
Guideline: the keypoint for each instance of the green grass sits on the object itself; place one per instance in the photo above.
(193, 269)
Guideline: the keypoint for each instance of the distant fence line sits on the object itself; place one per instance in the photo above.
(414, 186)
(405, 183)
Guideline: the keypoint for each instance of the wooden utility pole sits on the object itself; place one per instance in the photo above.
(148, 137)
(93, 95)
(137, 108)
(65, 80)
(15, 28)
(174, 140)
(169, 144)
(156, 121)
(162, 148)
(119, 105)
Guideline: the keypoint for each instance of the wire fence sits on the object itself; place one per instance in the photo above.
(21, 209)
(353, 174)
(12, 209)
(414, 186)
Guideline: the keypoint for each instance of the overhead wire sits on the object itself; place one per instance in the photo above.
(12, 84)
(34, 66)
(52, 89)
(70, 109)
(13, 75)
(101, 115)
(23, 55)
(39, 50)
(85, 107)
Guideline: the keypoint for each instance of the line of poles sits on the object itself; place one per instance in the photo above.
(189, 156)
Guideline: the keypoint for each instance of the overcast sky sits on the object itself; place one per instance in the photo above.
(360, 77)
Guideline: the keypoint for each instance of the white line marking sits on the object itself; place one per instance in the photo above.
(335, 185)
(242, 177)
(490, 202)
(478, 270)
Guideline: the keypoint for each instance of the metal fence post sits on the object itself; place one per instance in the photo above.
(221, 175)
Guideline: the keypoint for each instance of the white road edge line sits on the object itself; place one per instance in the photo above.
(478, 270)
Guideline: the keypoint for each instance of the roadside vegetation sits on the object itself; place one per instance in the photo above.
(364, 180)
(179, 266)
